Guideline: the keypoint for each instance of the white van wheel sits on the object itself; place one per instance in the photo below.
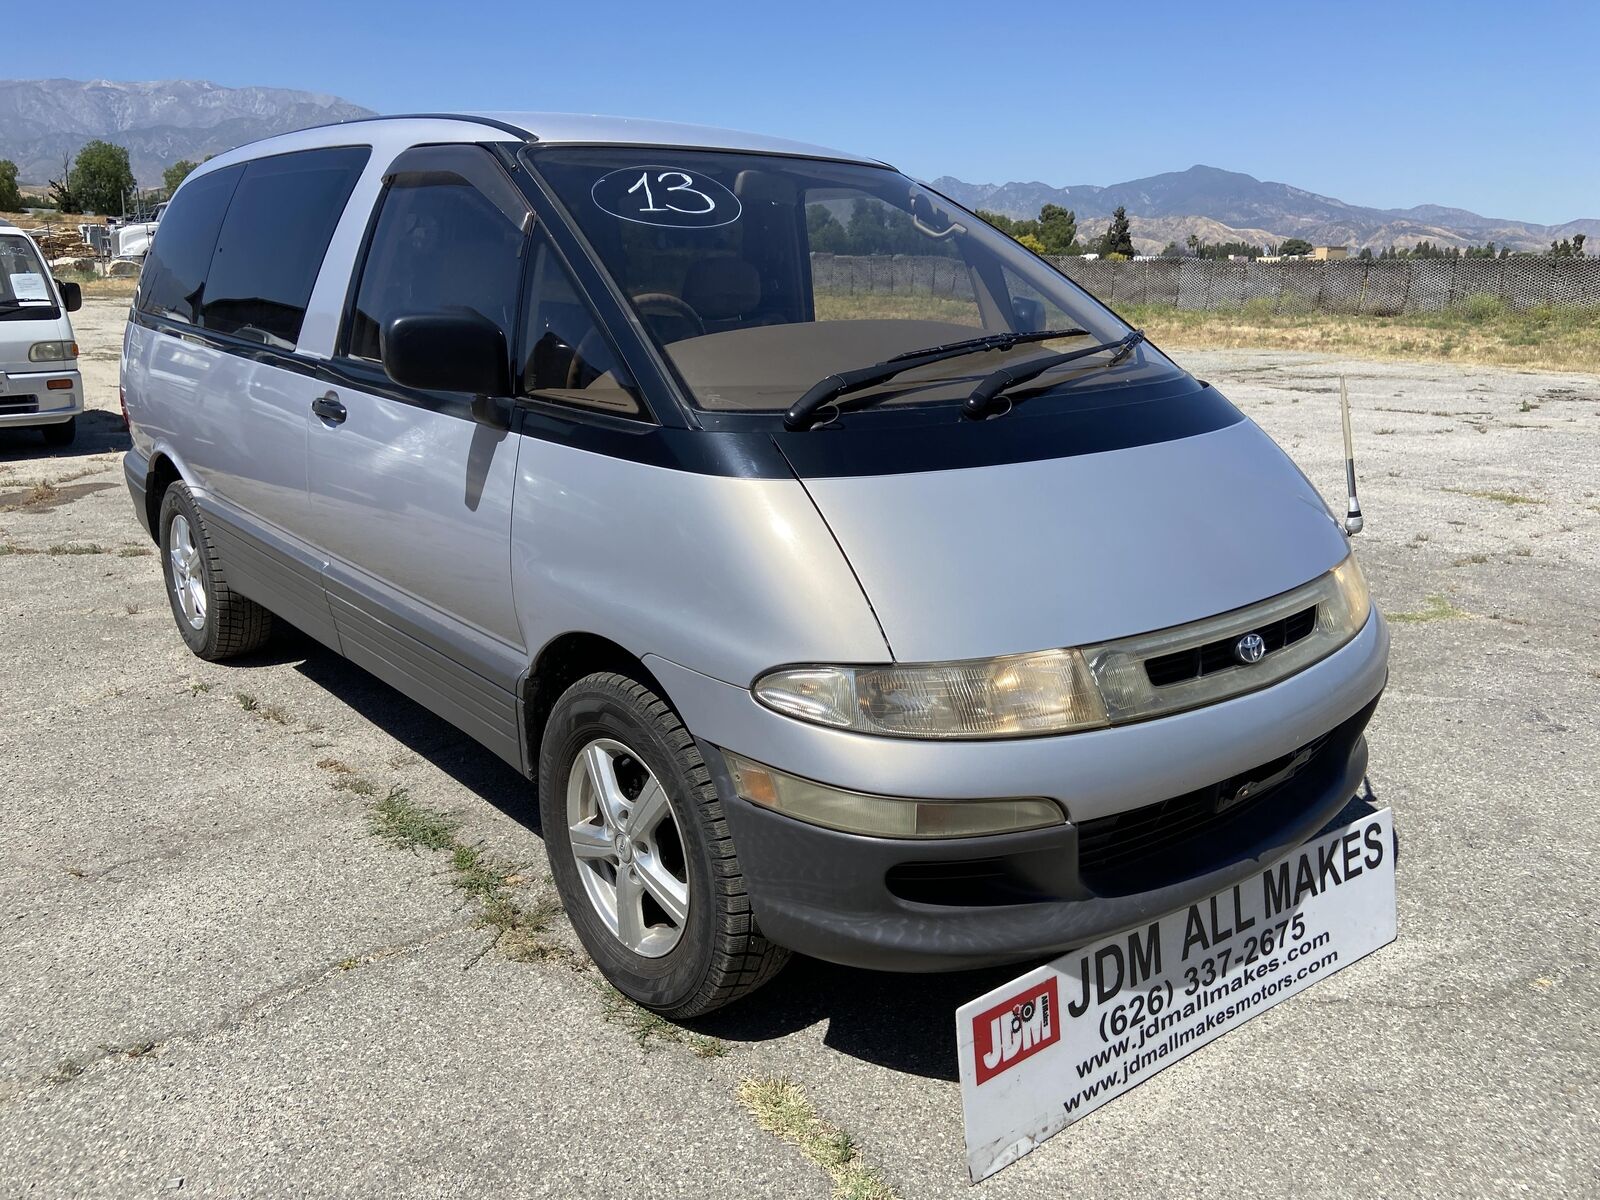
(640, 851)
(62, 433)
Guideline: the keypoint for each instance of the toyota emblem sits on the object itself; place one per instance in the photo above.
(1251, 648)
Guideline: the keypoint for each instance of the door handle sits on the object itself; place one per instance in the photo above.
(329, 409)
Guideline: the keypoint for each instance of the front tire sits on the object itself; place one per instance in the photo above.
(215, 621)
(640, 852)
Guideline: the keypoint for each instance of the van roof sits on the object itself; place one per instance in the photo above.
(545, 128)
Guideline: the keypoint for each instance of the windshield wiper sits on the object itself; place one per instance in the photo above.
(825, 391)
(977, 404)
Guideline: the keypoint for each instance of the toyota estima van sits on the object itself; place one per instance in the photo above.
(849, 581)
(39, 381)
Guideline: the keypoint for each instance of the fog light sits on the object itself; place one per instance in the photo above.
(885, 816)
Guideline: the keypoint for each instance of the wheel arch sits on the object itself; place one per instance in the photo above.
(563, 661)
(162, 474)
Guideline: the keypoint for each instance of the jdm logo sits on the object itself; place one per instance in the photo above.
(1017, 1029)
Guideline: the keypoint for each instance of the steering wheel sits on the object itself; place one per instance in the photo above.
(661, 304)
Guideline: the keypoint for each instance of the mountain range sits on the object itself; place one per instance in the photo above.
(1224, 206)
(44, 120)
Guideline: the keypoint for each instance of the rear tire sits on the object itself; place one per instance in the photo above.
(215, 621)
(63, 433)
(691, 944)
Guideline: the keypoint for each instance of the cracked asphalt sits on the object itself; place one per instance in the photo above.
(214, 979)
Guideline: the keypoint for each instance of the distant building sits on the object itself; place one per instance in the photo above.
(1318, 254)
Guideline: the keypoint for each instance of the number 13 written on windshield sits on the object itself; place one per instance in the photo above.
(682, 186)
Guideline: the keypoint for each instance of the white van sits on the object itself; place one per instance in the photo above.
(850, 581)
(39, 380)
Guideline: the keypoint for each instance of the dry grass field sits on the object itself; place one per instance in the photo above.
(1482, 332)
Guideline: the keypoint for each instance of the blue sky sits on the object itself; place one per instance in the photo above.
(1490, 107)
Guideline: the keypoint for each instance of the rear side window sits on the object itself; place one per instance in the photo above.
(175, 271)
(439, 245)
(273, 240)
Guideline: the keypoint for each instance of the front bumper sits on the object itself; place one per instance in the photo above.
(857, 900)
(47, 407)
(941, 905)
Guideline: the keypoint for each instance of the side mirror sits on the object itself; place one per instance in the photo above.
(1029, 314)
(447, 352)
(71, 296)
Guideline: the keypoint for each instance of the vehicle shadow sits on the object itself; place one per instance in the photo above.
(99, 432)
(905, 1023)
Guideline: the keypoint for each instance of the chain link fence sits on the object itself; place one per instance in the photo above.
(1366, 287)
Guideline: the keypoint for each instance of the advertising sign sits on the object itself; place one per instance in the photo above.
(1066, 1038)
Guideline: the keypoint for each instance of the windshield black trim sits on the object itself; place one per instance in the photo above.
(1090, 420)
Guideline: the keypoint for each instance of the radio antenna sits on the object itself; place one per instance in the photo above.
(1352, 519)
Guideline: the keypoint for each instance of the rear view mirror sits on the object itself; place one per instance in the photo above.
(71, 296)
(1029, 314)
(447, 352)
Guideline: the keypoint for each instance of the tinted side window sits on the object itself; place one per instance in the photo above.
(273, 241)
(568, 359)
(175, 272)
(439, 244)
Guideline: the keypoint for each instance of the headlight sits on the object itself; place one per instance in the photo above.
(1061, 691)
(885, 816)
(52, 351)
(1050, 692)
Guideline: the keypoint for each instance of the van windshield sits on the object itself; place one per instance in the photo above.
(758, 275)
(23, 286)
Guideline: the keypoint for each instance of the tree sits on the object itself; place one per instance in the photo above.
(999, 220)
(1029, 242)
(101, 177)
(1366, 253)
(62, 198)
(1293, 246)
(10, 197)
(1058, 230)
(179, 171)
(1118, 237)
(825, 234)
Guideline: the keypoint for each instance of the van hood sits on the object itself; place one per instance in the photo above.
(992, 560)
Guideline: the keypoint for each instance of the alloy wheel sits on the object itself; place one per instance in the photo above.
(188, 584)
(628, 847)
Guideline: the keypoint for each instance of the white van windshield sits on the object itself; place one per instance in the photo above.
(23, 285)
(759, 275)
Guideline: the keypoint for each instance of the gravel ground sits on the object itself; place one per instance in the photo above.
(214, 978)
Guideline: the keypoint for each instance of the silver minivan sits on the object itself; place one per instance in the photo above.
(848, 580)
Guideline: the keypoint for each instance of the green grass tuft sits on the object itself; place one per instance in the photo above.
(400, 820)
(1438, 608)
(1512, 498)
(781, 1107)
(649, 1029)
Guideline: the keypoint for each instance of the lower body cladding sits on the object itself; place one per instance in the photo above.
(1205, 798)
